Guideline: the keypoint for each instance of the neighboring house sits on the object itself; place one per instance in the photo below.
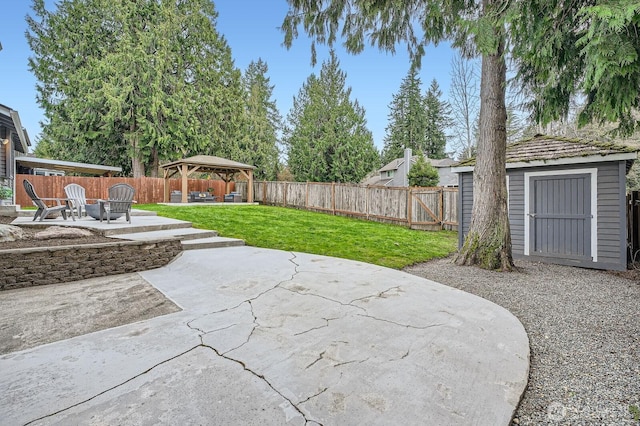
(567, 201)
(395, 173)
(14, 141)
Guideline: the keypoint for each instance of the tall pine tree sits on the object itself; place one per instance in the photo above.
(259, 146)
(438, 113)
(407, 126)
(326, 133)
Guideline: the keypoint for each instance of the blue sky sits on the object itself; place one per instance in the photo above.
(251, 29)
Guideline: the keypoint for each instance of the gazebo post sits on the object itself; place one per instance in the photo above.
(249, 175)
(227, 183)
(165, 172)
(250, 187)
(185, 182)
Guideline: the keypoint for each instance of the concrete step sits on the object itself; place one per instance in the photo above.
(212, 242)
(183, 234)
(29, 213)
(121, 227)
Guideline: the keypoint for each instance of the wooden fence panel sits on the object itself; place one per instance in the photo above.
(450, 206)
(377, 203)
(320, 196)
(147, 190)
(296, 194)
(387, 203)
(274, 193)
(351, 199)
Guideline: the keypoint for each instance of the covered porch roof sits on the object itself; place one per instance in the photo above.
(209, 164)
(67, 166)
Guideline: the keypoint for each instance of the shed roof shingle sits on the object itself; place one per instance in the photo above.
(544, 148)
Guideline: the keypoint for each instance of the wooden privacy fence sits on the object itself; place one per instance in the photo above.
(419, 208)
(633, 228)
(148, 190)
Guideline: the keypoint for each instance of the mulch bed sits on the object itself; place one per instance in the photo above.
(30, 242)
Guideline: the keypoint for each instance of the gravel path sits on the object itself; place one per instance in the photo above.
(584, 333)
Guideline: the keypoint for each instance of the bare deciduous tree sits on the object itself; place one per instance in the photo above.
(464, 98)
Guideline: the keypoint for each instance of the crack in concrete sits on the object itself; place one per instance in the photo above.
(326, 298)
(319, 327)
(255, 325)
(264, 379)
(314, 395)
(113, 387)
(320, 357)
(355, 361)
(380, 294)
(415, 327)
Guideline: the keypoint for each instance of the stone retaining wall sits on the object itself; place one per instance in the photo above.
(28, 267)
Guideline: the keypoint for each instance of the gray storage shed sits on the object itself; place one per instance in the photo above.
(566, 201)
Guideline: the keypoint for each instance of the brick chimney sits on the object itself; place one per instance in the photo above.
(407, 166)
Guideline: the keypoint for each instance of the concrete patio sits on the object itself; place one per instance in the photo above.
(270, 337)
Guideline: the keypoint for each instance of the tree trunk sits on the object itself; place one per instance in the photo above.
(488, 242)
(137, 165)
(155, 165)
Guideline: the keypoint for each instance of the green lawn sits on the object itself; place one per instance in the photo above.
(317, 233)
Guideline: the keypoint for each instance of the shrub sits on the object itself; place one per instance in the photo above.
(423, 173)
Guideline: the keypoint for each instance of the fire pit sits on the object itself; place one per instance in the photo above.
(93, 210)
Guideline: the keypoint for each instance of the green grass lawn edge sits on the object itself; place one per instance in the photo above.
(304, 231)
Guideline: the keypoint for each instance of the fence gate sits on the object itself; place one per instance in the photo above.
(433, 206)
(425, 206)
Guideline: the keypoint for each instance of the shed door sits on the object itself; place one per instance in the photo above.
(560, 216)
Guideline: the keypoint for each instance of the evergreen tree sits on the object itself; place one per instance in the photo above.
(422, 173)
(142, 81)
(593, 48)
(438, 118)
(259, 144)
(407, 126)
(326, 133)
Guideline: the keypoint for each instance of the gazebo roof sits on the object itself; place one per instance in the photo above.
(209, 163)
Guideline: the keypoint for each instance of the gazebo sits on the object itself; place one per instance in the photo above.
(225, 169)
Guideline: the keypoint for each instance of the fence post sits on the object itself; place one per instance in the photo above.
(409, 207)
(366, 201)
(441, 190)
(333, 198)
(284, 194)
(306, 195)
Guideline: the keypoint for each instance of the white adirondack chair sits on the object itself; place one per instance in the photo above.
(77, 199)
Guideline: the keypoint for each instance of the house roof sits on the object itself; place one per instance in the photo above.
(443, 165)
(393, 165)
(23, 142)
(549, 150)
